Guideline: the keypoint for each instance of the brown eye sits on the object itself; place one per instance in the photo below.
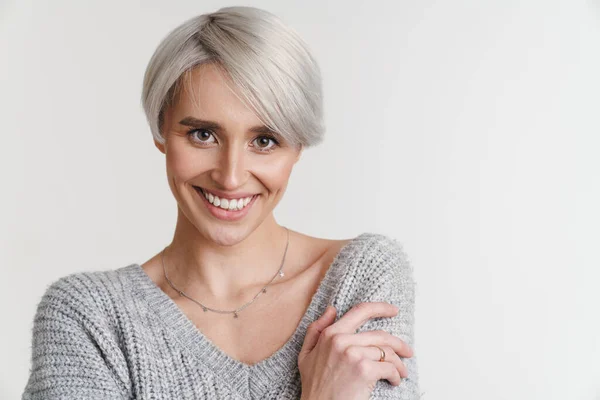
(262, 143)
(200, 135)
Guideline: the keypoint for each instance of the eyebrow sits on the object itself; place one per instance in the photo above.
(200, 123)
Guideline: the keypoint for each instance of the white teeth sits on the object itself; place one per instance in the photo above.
(226, 204)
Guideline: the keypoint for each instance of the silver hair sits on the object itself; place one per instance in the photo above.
(268, 62)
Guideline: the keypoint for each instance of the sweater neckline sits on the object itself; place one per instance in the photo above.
(245, 379)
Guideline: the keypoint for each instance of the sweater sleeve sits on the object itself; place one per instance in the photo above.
(73, 354)
(393, 282)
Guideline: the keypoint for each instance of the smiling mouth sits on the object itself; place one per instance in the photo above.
(232, 205)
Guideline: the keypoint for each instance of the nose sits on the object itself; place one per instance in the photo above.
(230, 171)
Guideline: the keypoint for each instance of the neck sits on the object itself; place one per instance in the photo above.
(221, 264)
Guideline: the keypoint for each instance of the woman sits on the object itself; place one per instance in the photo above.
(236, 306)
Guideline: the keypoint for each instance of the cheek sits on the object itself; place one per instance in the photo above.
(183, 163)
(276, 173)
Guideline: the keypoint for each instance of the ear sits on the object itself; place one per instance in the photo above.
(159, 146)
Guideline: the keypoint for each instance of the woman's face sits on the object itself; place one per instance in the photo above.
(215, 142)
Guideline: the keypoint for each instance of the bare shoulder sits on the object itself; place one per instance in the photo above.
(318, 252)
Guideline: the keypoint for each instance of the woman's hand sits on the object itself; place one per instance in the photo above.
(337, 363)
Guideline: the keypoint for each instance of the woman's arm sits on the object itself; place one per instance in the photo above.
(74, 356)
(395, 284)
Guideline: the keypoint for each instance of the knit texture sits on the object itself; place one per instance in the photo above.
(116, 335)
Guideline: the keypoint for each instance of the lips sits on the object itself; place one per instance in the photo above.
(225, 214)
(239, 198)
(228, 196)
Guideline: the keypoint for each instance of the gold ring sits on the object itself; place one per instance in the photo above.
(382, 357)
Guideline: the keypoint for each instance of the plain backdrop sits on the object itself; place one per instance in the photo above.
(468, 130)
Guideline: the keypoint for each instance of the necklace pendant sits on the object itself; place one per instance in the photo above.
(204, 308)
(264, 290)
(235, 315)
(281, 273)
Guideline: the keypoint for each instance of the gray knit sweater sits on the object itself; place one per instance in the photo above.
(116, 335)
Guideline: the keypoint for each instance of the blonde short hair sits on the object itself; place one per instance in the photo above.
(267, 61)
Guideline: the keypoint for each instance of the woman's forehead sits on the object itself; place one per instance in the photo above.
(209, 94)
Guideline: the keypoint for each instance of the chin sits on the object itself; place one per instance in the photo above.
(226, 235)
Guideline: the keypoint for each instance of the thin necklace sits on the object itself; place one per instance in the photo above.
(235, 312)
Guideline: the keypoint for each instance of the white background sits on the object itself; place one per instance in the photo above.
(468, 130)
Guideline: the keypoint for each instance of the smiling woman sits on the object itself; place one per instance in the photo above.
(214, 141)
(236, 306)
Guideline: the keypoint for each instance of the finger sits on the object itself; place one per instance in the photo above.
(382, 338)
(358, 353)
(388, 371)
(375, 370)
(390, 357)
(315, 328)
(361, 313)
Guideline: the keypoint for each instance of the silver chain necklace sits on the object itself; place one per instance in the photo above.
(235, 312)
